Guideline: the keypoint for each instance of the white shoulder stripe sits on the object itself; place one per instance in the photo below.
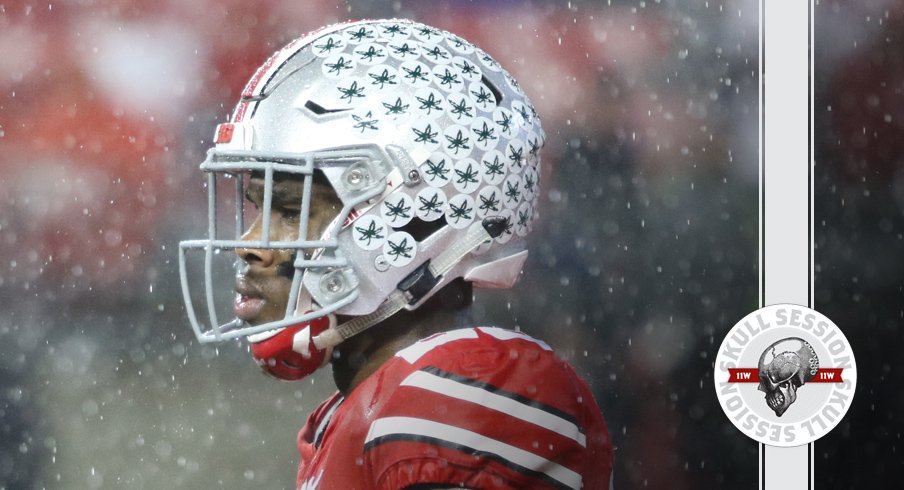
(505, 334)
(475, 394)
(389, 427)
(414, 352)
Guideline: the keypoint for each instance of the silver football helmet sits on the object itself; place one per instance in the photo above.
(409, 125)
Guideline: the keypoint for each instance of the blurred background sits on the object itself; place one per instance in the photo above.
(645, 255)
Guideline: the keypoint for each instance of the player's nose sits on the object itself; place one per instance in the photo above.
(254, 254)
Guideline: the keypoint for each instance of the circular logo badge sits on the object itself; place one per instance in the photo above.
(785, 375)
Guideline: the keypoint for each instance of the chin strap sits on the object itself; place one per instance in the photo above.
(417, 284)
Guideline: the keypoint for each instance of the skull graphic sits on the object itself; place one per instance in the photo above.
(784, 367)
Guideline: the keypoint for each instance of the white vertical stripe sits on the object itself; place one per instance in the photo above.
(389, 426)
(785, 190)
(786, 164)
(493, 401)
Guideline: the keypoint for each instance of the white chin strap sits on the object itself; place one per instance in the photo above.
(417, 284)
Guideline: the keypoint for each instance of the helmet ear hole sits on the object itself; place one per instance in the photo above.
(490, 85)
(420, 230)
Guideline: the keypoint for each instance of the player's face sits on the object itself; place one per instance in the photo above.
(262, 285)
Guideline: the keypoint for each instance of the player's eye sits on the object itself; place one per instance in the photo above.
(289, 215)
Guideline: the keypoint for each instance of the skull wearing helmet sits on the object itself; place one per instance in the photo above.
(783, 368)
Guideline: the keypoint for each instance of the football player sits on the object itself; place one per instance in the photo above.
(382, 169)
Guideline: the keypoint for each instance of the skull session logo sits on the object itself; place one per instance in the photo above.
(781, 373)
(785, 375)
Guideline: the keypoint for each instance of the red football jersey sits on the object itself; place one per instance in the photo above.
(483, 408)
